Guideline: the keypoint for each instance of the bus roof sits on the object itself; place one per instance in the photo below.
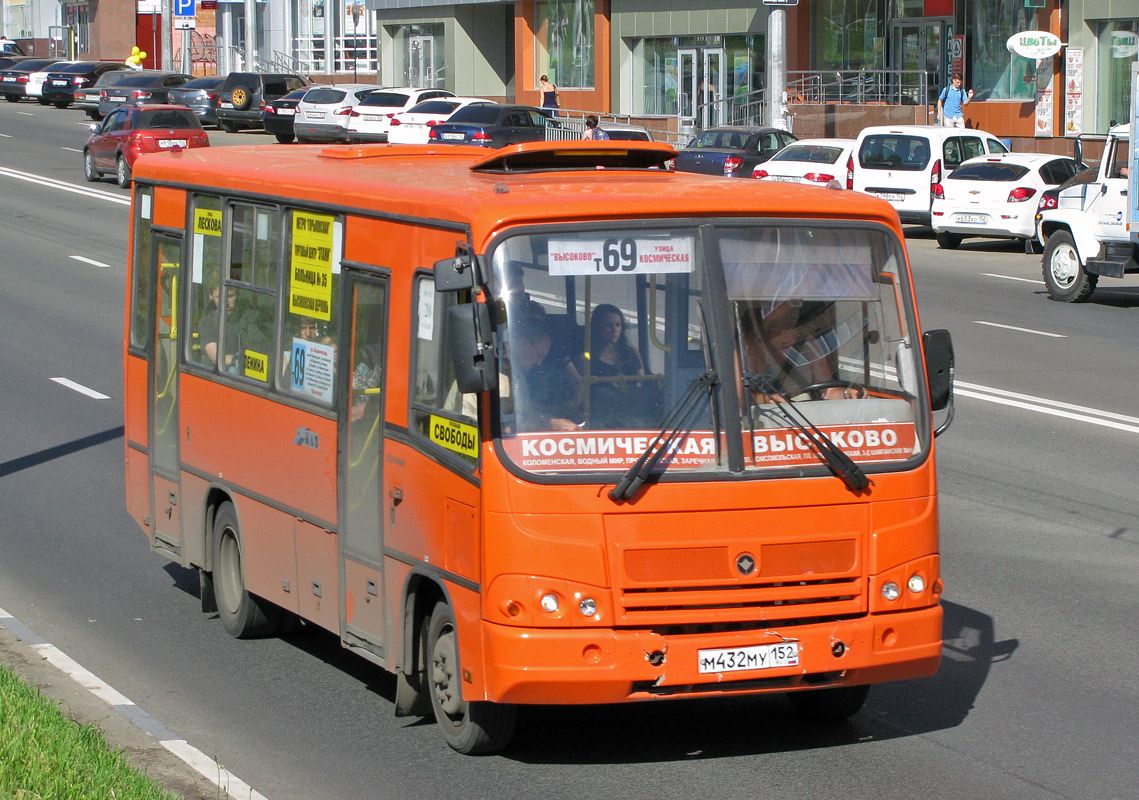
(485, 190)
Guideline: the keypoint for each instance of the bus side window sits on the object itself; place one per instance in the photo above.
(140, 299)
(251, 293)
(436, 393)
(205, 254)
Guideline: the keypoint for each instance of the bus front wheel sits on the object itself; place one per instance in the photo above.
(243, 615)
(829, 705)
(469, 727)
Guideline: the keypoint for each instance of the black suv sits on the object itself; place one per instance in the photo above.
(245, 94)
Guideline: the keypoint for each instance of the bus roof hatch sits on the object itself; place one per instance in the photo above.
(576, 155)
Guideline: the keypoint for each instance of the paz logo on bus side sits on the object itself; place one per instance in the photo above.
(307, 438)
(455, 436)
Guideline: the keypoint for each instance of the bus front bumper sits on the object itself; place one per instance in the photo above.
(585, 666)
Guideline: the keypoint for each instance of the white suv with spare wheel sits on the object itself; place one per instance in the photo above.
(905, 164)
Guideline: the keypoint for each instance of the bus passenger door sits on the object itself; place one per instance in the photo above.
(361, 387)
(166, 260)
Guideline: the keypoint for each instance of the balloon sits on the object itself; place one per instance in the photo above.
(135, 51)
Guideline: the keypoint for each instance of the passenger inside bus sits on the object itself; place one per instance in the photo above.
(609, 360)
(208, 323)
(550, 389)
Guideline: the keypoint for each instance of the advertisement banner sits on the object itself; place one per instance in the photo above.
(1044, 106)
(601, 451)
(1073, 91)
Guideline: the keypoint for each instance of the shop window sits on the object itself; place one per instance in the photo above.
(564, 51)
(998, 74)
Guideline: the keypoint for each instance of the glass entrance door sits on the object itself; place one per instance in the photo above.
(701, 87)
(420, 58)
(918, 47)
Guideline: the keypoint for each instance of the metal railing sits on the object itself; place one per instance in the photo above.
(283, 62)
(864, 86)
(571, 123)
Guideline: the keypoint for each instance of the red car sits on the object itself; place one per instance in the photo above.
(129, 131)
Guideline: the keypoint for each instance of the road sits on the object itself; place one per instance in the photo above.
(1035, 698)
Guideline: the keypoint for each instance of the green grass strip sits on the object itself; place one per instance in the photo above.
(44, 754)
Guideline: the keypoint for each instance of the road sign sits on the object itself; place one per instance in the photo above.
(185, 23)
(183, 8)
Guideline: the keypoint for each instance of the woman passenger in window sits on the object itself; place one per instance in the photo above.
(610, 356)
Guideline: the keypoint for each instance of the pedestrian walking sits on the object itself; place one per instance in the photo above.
(951, 103)
(550, 97)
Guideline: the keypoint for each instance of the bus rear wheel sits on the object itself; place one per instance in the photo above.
(829, 705)
(243, 615)
(469, 727)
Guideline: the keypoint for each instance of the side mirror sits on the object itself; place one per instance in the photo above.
(473, 359)
(939, 366)
(456, 273)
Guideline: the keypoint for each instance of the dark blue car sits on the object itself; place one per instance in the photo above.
(493, 125)
(731, 151)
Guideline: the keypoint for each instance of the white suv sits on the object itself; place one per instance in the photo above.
(904, 164)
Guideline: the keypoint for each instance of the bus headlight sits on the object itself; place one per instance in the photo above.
(550, 603)
(587, 607)
(533, 601)
(890, 590)
(916, 583)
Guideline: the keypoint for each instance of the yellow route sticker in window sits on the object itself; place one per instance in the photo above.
(256, 365)
(207, 222)
(310, 265)
(455, 436)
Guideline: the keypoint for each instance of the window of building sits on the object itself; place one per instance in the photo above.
(847, 34)
(439, 412)
(335, 36)
(1118, 50)
(564, 46)
(734, 66)
(996, 73)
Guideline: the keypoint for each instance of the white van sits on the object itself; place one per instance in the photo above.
(904, 164)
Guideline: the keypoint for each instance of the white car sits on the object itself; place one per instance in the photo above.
(412, 126)
(819, 162)
(35, 85)
(996, 196)
(903, 163)
(323, 113)
(371, 120)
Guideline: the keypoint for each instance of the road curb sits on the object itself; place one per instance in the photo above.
(147, 743)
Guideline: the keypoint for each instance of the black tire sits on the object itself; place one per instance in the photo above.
(243, 615)
(122, 172)
(227, 126)
(90, 172)
(60, 103)
(44, 101)
(949, 241)
(241, 97)
(470, 728)
(95, 115)
(285, 138)
(1064, 273)
(829, 705)
(11, 98)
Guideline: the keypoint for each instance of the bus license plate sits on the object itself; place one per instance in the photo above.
(972, 219)
(761, 656)
(893, 197)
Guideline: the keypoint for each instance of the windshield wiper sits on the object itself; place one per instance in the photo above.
(838, 462)
(678, 420)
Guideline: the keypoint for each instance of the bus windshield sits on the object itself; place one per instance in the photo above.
(609, 337)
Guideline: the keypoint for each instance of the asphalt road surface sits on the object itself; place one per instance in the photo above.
(1036, 697)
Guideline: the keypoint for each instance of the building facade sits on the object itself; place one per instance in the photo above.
(679, 64)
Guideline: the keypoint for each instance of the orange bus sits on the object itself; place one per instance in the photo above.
(543, 425)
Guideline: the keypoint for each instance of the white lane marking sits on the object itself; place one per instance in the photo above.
(6, 135)
(71, 149)
(226, 781)
(88, 680)
(207, 767)
(67, 187)
(26, 113)
(78, 387)
(1021, 330)
(91, 261)
(1037, 281)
